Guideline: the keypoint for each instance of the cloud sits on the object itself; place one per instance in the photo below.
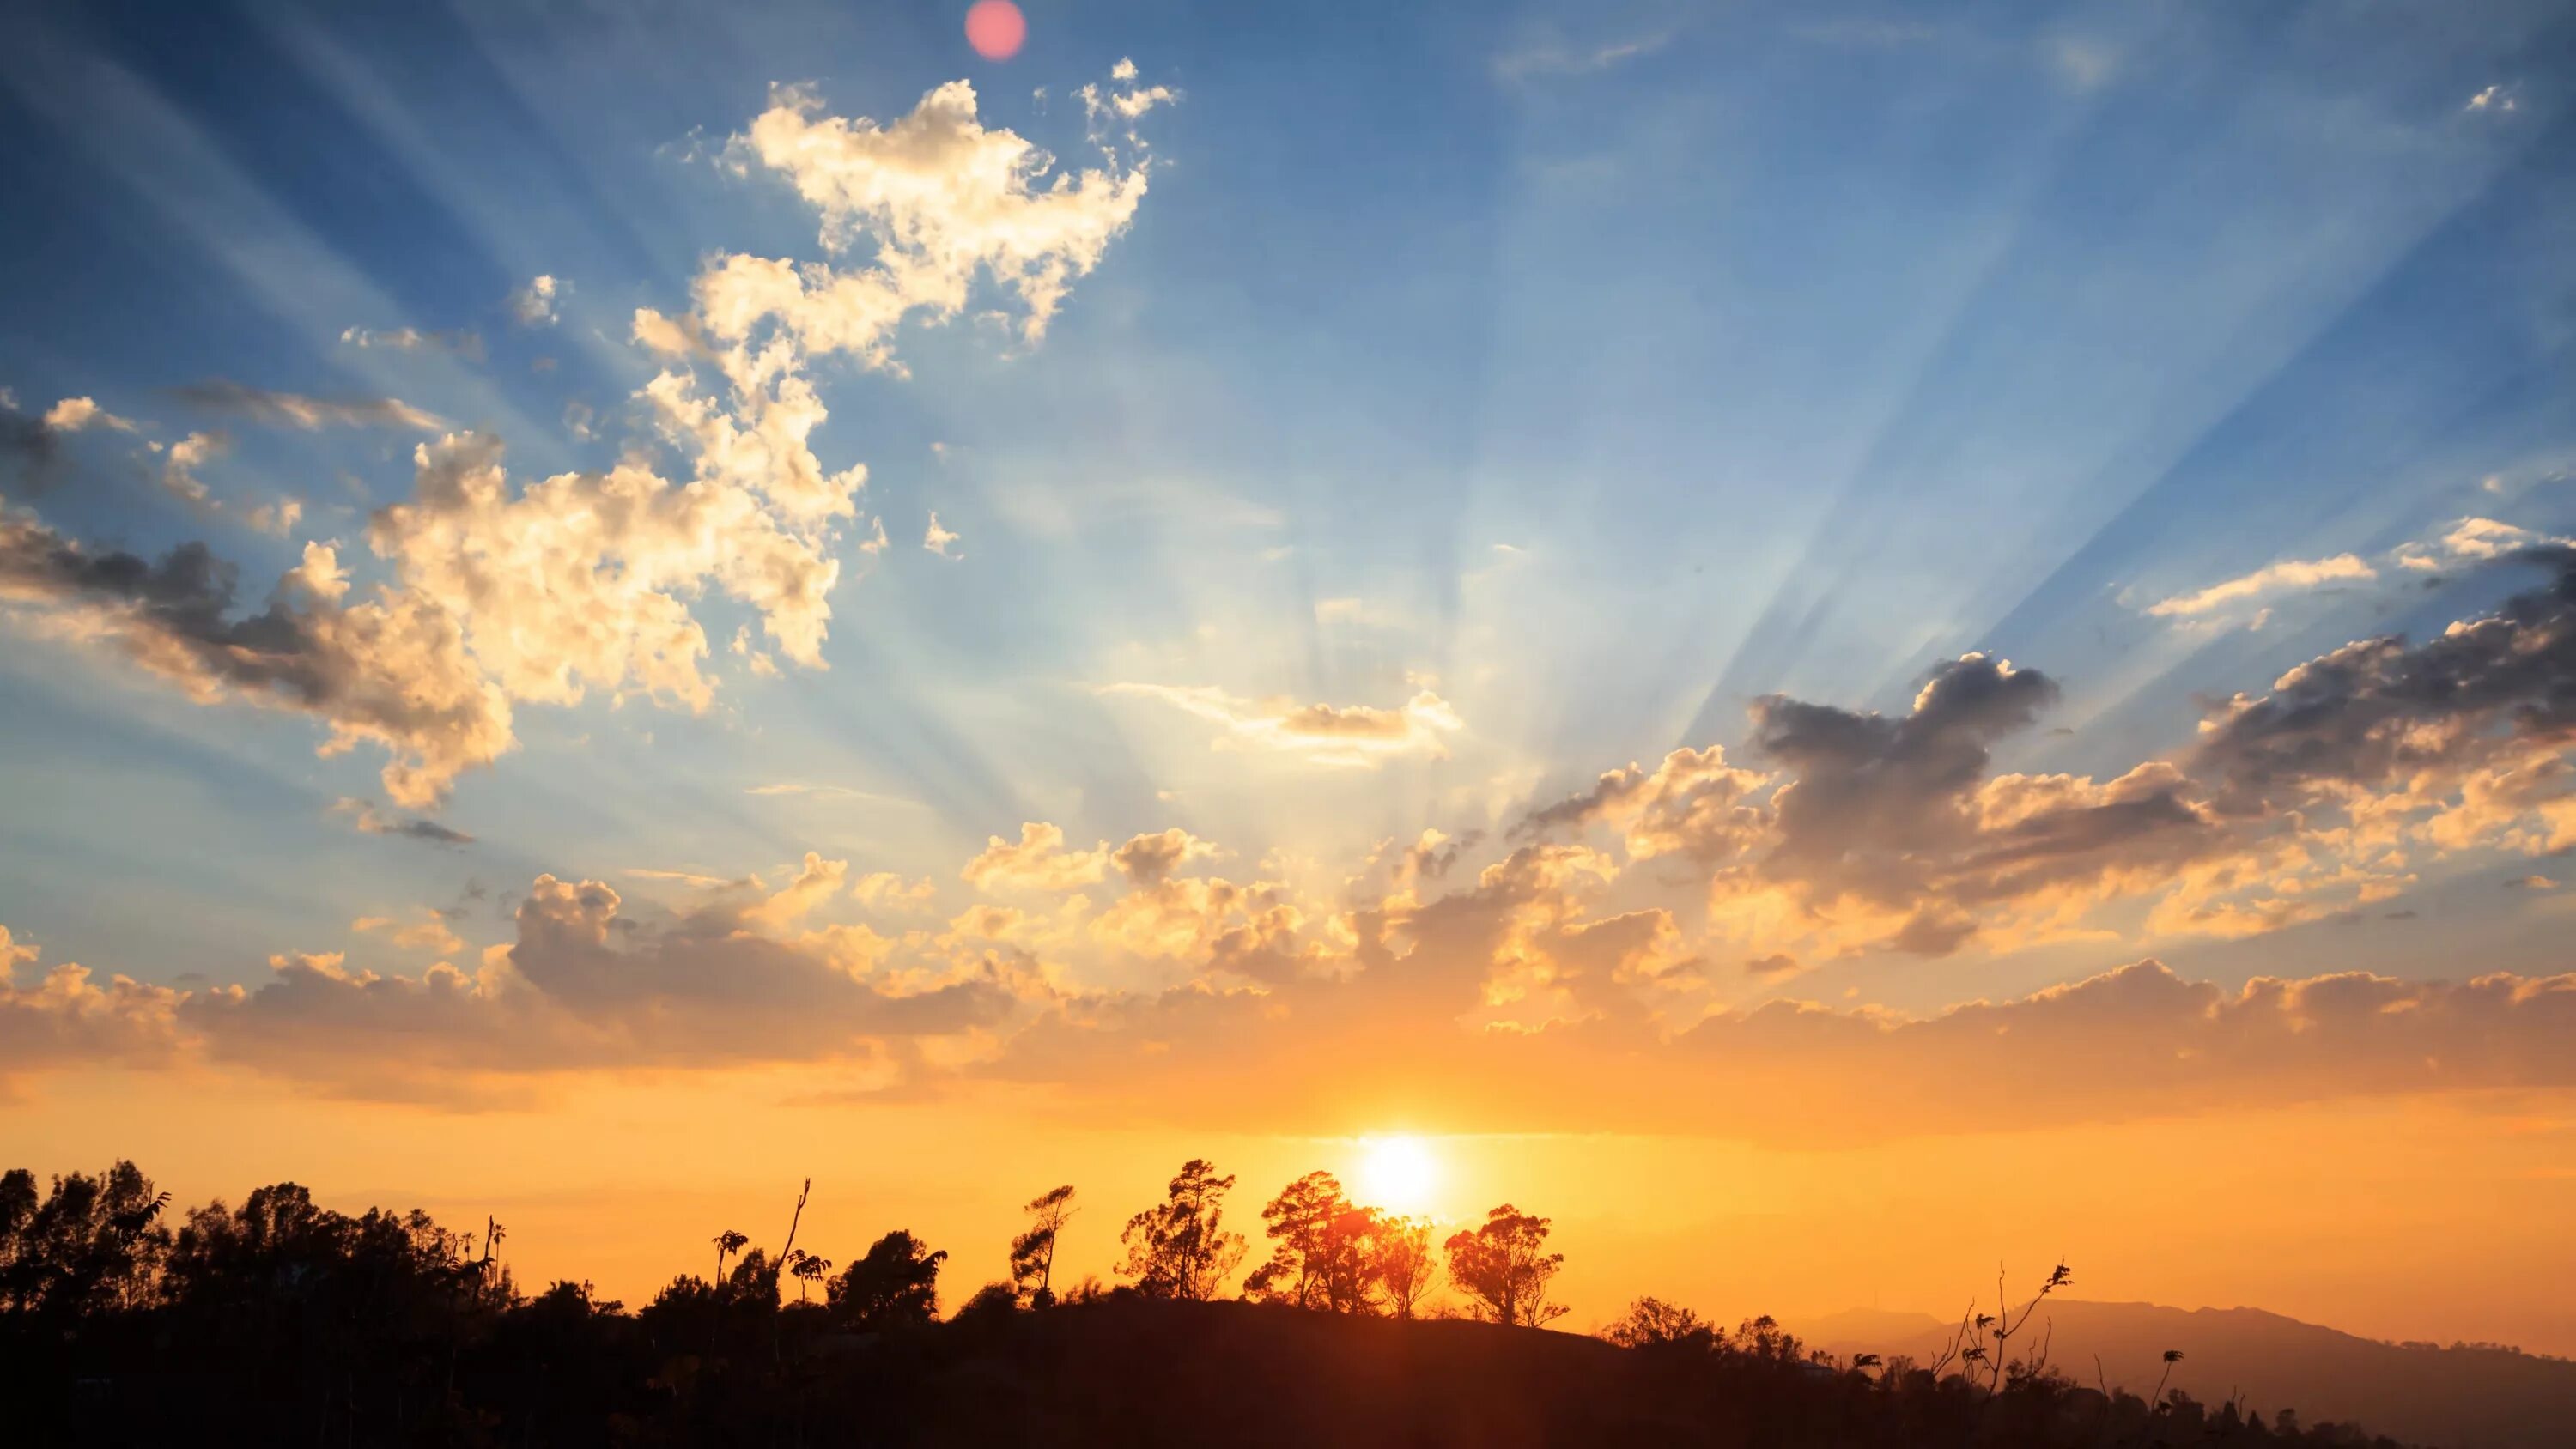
(944, 199)
(2276, 578)
(939, 540)
(585, 580)
(64, 1018)
(503, 593)
(799, 787)
(371, 821)
(412, 339)
(2488, 705)
(1556, 56)
(393, 672)
(580, 988)
(1693, 803)
(74, 414)
(1148, 860)
(276, 518)
(1871, 832)
(886, 890)
(535, 305)
(1410, 1013)
(1878, 832)
(2493, 98)
(427, 933)
(819, 881)
(2484, 539)
(30, 452)
(1325, 734)
(1036, 861)
(1128, 104)
(2470, 540)
(180, 464)
(309, 414)
(696, 880)
(1247, 931)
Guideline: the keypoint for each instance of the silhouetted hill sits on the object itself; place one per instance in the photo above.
(283, 1321)
(1124, 1370)
(2461, 1398)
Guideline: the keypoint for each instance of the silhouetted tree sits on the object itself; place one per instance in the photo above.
(807, 1269)
(1325, 1249)
(1503, 1267)
(1403, 1264)
(283, 1322)
(1033, 1252)
(1653, 1323)
(2172, 1356)
(1762, 1337)
(754, 1280)
(727, 1244)
(92, 1243)
(1179, 1248)
(2007, 1324)
(992, 1301)
(896, 1283)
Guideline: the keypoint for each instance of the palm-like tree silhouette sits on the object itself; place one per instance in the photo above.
(2172, 1356)
(807, 1269)
(727, 1244)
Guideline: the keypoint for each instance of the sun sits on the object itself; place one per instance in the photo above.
(1397, 1173)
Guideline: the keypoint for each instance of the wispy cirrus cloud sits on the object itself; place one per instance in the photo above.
(309, 414)
(1551, 54)
(2288, 575)
(464, 343)
(1327, 734)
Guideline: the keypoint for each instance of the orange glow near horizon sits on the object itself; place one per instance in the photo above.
(622, 1182)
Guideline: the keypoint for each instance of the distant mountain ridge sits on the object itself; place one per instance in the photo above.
(2457, 1398)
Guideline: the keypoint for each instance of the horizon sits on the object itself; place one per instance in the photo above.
(1828, 648)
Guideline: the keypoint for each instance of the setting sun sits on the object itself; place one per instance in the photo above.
(1397, 1173)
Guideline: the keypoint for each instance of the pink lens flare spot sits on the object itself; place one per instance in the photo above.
(995, 28)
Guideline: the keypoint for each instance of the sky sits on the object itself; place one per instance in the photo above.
(1831, 644)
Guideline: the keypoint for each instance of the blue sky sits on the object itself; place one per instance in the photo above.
(1604, 367)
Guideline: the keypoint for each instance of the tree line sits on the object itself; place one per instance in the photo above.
(282, 1320)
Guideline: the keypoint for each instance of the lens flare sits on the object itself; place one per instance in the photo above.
(996, 28)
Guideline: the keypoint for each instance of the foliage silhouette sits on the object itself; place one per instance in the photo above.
(896, 1283)
(1033, 1252)
(1503, 1268)
(283, 1321)
(1179, 1248)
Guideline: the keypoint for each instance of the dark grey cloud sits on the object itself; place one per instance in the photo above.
(2379, 709)
(30, 454)
(394, 671)
(369, 820)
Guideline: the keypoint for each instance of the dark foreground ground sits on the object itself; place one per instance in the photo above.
(1123, 1371)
